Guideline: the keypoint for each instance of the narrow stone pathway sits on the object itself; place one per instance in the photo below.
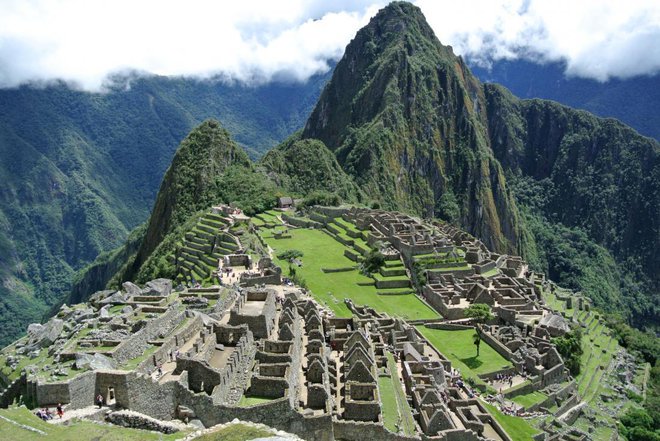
(85, 412)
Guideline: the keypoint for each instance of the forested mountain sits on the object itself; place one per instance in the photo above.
(633, 101)
(80, 170)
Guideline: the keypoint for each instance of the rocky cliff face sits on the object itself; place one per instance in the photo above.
(407, 120)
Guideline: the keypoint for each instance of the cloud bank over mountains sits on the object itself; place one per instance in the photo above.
(256, 41)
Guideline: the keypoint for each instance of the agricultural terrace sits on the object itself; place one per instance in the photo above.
(322, 251)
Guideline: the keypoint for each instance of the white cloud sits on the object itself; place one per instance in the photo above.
(597, 38)
(83, 41)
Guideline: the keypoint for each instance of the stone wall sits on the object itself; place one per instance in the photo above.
(162, 355)
(127, 418)
(298, 222)
(81, 390)
(497, 345)
(136, 344)
(15, 389)
(357, 430)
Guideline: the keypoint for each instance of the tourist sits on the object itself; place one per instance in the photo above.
(60, 410)
(99, 400)
(160, 370)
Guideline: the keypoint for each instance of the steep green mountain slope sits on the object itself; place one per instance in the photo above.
(406, 118)
(79, 170)
(304, 166)
(633, 101)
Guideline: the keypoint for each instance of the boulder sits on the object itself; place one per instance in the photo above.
(127, 309)
(100, 295)
(158, 287)
(42, 336)
(555, 324)
(116, 297)
(94, 361)
(104, 313)
(131, 289)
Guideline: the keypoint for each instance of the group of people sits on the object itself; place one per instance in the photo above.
(46, 415)
(504, 378)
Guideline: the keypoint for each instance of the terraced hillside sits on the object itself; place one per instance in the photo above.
(203, 247)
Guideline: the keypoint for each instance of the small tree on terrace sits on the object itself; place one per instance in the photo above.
(373, 262)
(290, 255)
(481, 313)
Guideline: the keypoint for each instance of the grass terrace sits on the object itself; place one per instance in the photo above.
(517, 428)
(397, 415)
(530, 399)
(247, 401)
(320, 250)
(78, 430)
(459, 348)
(235, 432)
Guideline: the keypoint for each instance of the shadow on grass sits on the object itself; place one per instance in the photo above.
(472, 362)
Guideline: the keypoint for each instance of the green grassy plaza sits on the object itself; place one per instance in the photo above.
(320, 250)
(459, 348)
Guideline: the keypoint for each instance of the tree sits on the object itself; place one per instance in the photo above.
(373, 262)
(569, 347)
(290, 255)
(481, 313)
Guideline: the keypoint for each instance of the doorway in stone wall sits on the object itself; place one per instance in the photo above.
(110, 397)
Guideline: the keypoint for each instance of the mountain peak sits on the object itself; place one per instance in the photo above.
(405, 116)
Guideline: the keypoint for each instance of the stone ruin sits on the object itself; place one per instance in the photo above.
(203, 353)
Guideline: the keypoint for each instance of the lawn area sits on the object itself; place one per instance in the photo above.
(320, 250)
(135, 362)
(459, 348)
(251, 401)
(389, 407)
(235, 432)
(78, 430)
(530, 399)
(403, 415)
(517, 428)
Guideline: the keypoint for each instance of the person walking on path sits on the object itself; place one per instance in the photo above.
(60, 410)
(99, 400)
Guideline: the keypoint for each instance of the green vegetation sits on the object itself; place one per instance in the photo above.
(247, 401)
(457, 347)
(81, 430)
(290, 255)
(569, 347)
(79, 170)
(373, 261)
(530, 399)
(479, 312)
(397, 416)
(517, 428)
(307, 168)
(322, 251)
(235, 432)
